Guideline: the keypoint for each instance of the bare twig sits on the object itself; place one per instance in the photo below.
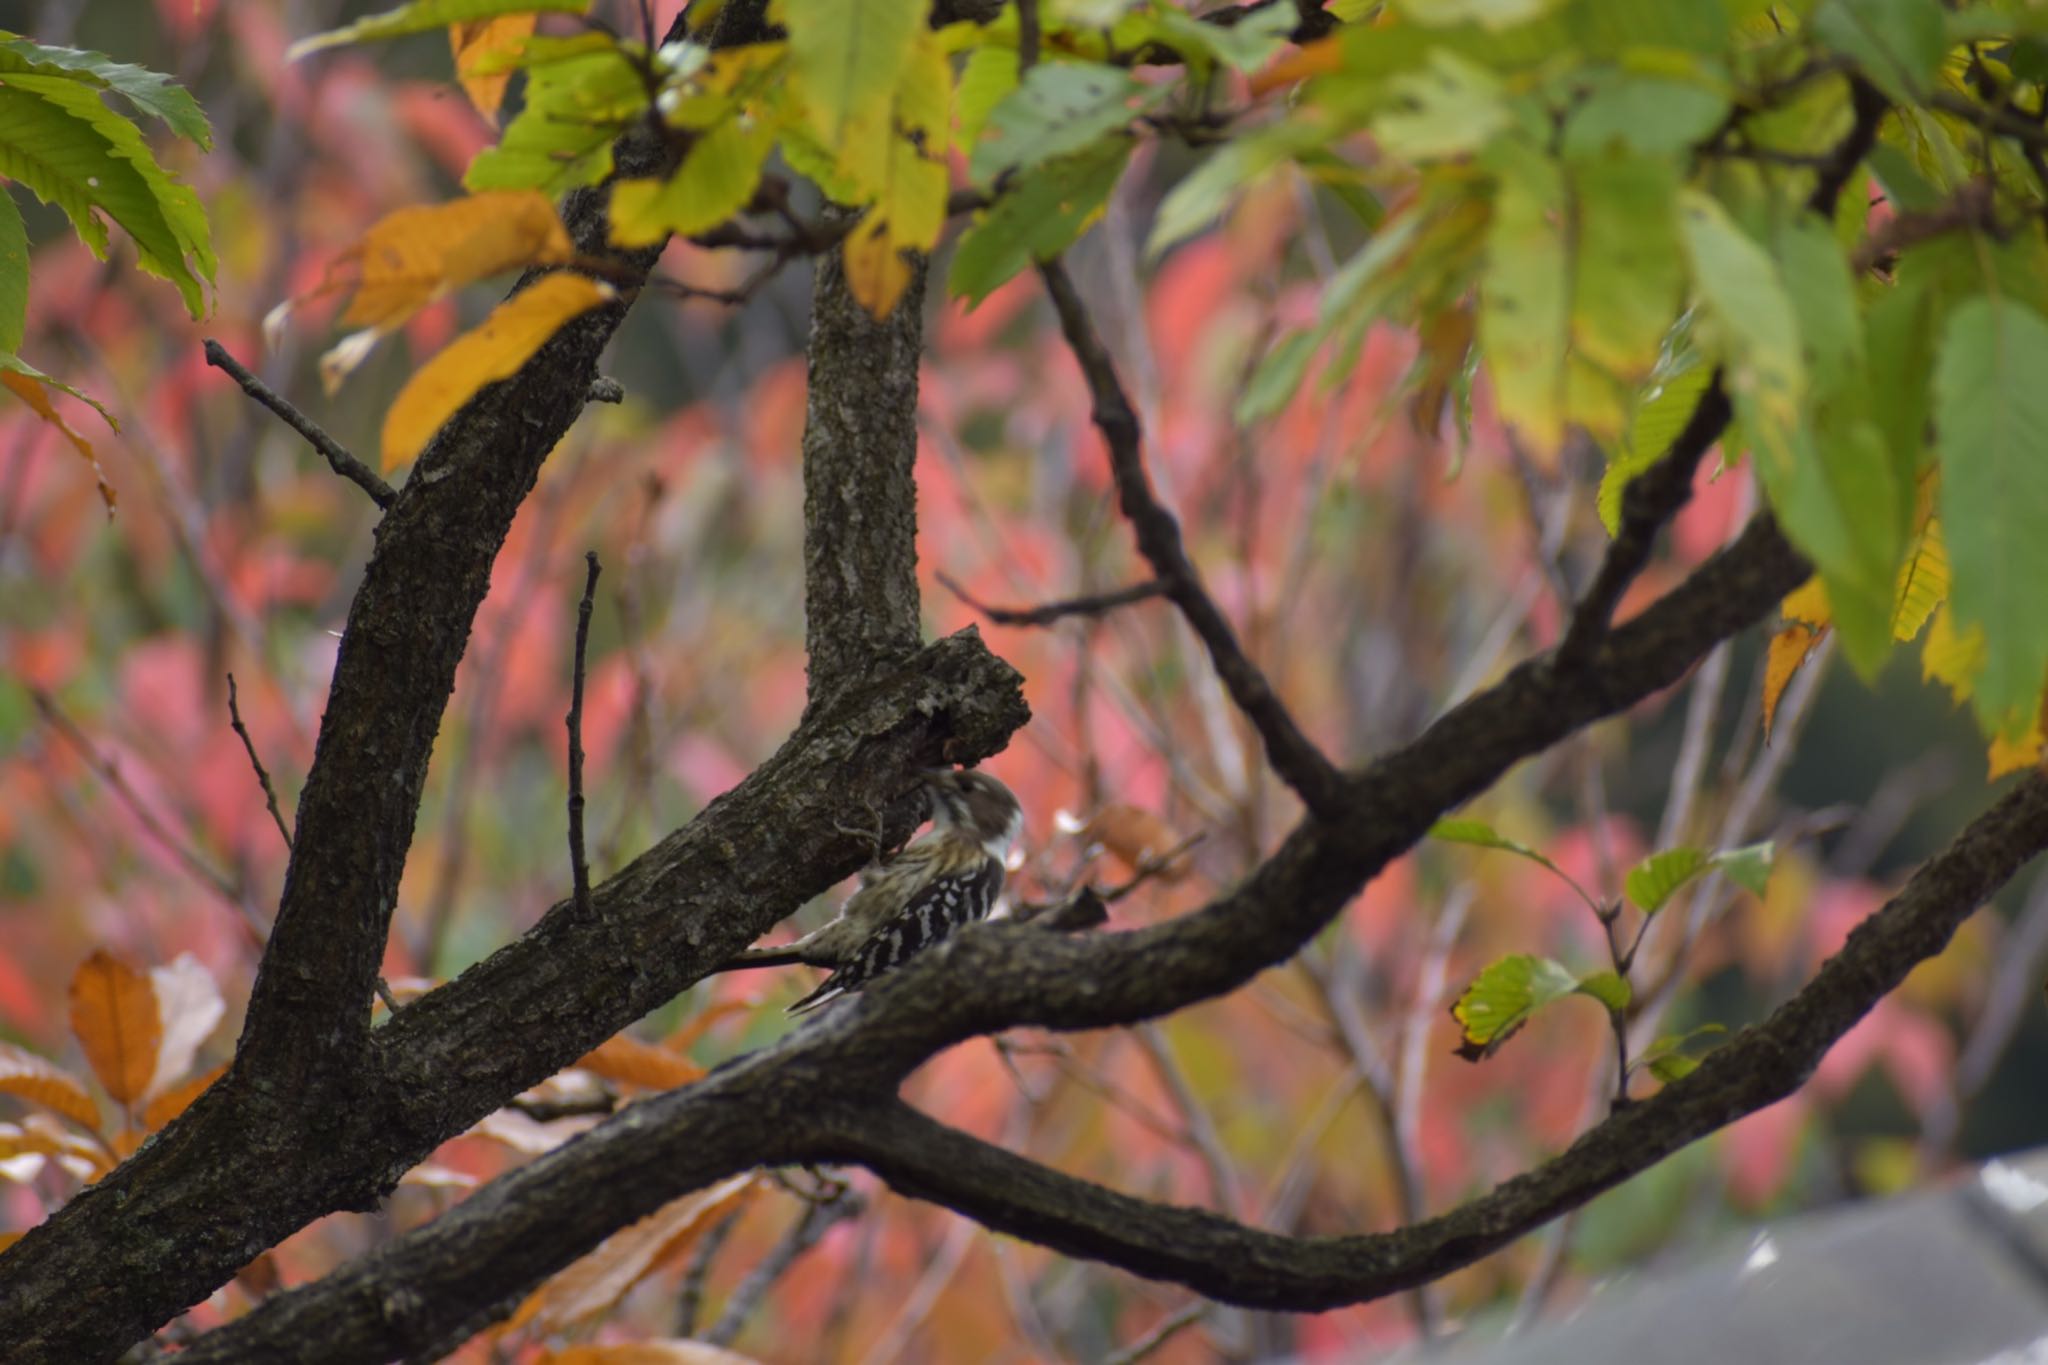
(1094, 604)
(262, 777)
(337, 455)
(1027, 36)
(820, 1216)
(1162, 1332)
(579, 861)
(1294, 757)
(690, 1299)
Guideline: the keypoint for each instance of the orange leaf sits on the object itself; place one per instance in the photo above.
(505, 341)
(1788, 649)
(482, 38)
(38, 399)
(178, 1098)
(1319, 58)
(698, 1024)
(113, 1014)
(877, 272)
(411, 257)
(632, 1062)
(29, 1076)
(600, 1279)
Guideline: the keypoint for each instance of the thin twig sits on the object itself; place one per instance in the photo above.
(819, 1217)
(337, 455)
(1094, 604)
(262, 777)
(690, 1298)
(1297, 760)
(1027, 36)
(579, 862)
(1165, 1330)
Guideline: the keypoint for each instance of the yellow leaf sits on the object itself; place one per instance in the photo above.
(1923, 582)
(601, 1278)
(24, 1074)
(1807, 603)
(477, 41)
(505, 341)
(1952, 657)
(1788, 649)
(632, 1062)
(2011, 755)
(412, 256)
(114, 1015)
(906, 173)
(37, 397)
(716, 180)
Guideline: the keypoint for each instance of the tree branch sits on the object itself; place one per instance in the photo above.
(798, 1101)
(860, 492)
(1094, 604)
(1300, 764)
(336, 454)
(455, 1037)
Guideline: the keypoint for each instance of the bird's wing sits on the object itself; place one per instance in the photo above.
(943, 906)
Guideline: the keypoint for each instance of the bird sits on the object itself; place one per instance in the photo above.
(944, 879)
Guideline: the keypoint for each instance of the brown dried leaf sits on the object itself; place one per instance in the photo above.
(632, 1062)
(29, 1076)
(600, 1279)
(1136, 838)
(114, 1016)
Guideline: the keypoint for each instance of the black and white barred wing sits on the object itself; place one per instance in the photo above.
(936, 911)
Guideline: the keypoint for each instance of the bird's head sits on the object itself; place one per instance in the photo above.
(975, 806)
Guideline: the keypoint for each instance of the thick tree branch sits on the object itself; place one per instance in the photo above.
(863, 1049)
(798, 1101)
(1300, 764)
(1236, 1264)
(860, 493)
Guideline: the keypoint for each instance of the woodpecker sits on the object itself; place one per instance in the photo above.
(947, 878)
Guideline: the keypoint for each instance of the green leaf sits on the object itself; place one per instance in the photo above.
(1503, 996)
(1245, 46)
(152, 92)
(845, 59)
(13, 275)
(1651, 883)
(1667, 1059)
(1991, 415)
(562, 138)
(424, 16)
(718, 176)
(1278, 375)
(1749, 867)
(1898, 43)
(1524, 299)
(1899, 343)
(1609, 989)
(1036, 219)
(1060, 108)
(989, 74)
(1838, 494)
(19, 366)
(1195, 202)
(1488, 13)
(1645, 114)
(1752, 313)
(63, 143)
(1629, 277)
(1451, 108)
(1661, 413)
